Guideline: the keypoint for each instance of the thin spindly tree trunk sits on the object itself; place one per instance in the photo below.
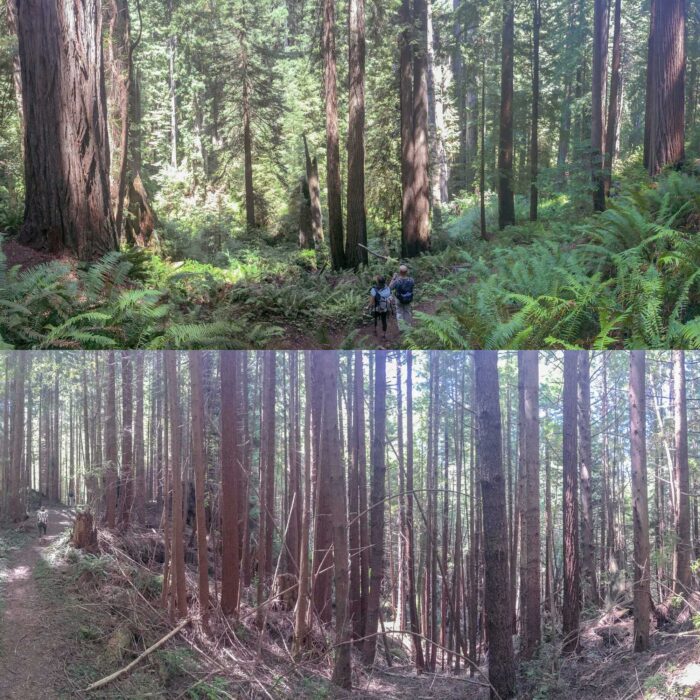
(641, 583)
(601, 19)
(199, 465)
(572, 580)
(681, 476)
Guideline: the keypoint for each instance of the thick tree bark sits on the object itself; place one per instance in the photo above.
(681, 476)
(357, 215)
(666, 86)
(67, 200)
(572, 575)
(506, 201)
(139, 457)
(377, 493)
(531, 507)
(496, 595)
(641, 590)
(335, 206)
(601, 21)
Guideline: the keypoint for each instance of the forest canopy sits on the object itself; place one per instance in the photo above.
(249, 168)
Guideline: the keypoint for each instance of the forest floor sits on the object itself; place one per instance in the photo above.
(68, 619)
(31, 644)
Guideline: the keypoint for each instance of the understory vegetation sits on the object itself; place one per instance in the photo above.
(626, 277)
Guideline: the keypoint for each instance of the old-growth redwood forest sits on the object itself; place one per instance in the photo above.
(234, 175)
(333, 524)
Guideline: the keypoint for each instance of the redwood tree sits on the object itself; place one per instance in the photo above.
(496, 575)
(640, 586)
(681, 476)
(506, 200)
(572, 582)
(666, 85)
(357, 216)
(67, 193)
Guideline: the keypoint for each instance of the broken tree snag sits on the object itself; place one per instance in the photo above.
(67, 203)
(141, 221)
(84, 532)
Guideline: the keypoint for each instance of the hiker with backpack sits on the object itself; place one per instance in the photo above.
(381, 301)
(402, 286)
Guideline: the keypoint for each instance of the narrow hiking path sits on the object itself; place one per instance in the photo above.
(30, 644)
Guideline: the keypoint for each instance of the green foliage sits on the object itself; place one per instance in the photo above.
(628, 277)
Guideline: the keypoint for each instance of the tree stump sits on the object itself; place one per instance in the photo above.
(84, 532)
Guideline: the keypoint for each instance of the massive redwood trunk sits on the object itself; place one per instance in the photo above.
(666, 85)
(66, 159)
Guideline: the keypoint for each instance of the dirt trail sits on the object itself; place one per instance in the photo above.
(30, 645)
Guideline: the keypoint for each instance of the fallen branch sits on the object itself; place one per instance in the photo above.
(376, 255)
(138, 659)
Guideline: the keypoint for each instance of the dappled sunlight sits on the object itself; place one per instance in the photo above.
(15, 574)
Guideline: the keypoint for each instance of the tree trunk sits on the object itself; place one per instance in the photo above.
(683, 552)
(534, 142)
(585, 464)
(666, 89)
(572, 584)
(199, 465)
(357, 215)
(506, 201)
(16, 509)
(127, 485)
(231, 466)
(111, 449)
(601, 21)
(376, 519)
(139, 458)
(416, 228)
(327, 368)
(314, 199)
(496, 595)
(67, 203)
(84, 532)
(641, 591)
(178, 545)
(531, 506)
(335, 206)
(615, 97)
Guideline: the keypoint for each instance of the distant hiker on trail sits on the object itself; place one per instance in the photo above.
(381, 302)
(402, 286)
(42, 518)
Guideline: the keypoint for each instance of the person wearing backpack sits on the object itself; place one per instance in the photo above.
(402, 286)
(381, 301)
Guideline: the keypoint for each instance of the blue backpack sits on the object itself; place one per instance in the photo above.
(404, 290)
